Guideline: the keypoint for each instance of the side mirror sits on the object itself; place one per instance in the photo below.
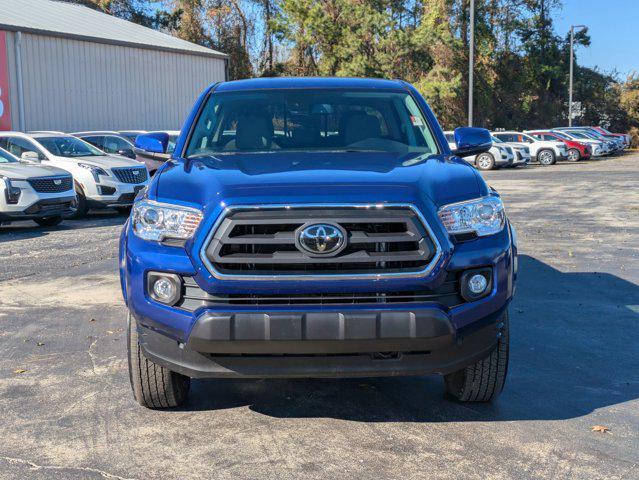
(30, 156)
(152, 142)
(472, 141)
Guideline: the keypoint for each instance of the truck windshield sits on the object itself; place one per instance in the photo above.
(310, 120)
(69, 147)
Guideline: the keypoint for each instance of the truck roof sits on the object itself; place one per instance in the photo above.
(309, 82)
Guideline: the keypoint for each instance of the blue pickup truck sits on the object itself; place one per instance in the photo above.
(316, 227)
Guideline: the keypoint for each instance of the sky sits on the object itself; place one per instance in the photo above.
(613, 26)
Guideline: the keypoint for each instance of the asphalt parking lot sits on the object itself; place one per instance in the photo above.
(67, 409)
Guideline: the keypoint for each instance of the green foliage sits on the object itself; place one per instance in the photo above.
(629, 98)
(378, 38)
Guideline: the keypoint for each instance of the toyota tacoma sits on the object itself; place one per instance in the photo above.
(316, 227)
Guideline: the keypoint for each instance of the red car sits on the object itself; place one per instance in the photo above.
(576, 150)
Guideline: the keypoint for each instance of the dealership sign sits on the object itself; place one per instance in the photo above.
(5, 112)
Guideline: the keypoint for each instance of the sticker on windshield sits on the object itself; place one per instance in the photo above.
(417, 121)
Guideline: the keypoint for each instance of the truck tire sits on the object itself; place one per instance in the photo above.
(153, 385)
(484, 380)
(546, 157)
(574, 155)
(485, 161)
(48, 221)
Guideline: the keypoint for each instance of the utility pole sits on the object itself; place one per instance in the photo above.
(572, 41)
(471, 62)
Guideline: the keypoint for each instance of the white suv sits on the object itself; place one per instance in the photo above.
(545, 152)
(498, 155)
(34, 192)
(101, 180)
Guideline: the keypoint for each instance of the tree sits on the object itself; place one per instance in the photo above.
(629, 98)
(521, 63)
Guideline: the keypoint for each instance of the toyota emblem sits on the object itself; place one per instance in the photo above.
(319, 239)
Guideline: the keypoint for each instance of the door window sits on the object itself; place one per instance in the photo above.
(18, 146)
(95, 140)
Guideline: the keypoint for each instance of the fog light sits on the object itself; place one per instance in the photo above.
(476, 284)
(165, 288)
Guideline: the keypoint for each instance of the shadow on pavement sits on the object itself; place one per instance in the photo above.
(27, 229)
(574, 349)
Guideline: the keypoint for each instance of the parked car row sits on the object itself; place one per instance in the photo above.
(546, 146)
(49, 176)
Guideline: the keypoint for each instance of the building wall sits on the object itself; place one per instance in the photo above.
(73, 85)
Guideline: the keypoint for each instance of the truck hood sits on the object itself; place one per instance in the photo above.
(22, 171)
(334, 177)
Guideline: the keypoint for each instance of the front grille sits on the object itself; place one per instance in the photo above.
(262, 242)
(51, 184)
(130, 174)
(193, 297)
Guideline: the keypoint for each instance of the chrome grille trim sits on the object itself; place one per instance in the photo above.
(47, 184)
(347, 276)
(125, 174)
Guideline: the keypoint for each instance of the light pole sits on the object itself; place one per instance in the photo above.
(471, 62)
(572, 41)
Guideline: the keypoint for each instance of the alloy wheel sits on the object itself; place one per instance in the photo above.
(545, 158)
(484, 162)
(573, 155)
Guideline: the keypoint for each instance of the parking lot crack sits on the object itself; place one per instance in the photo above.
(92, 355)
(35, 466)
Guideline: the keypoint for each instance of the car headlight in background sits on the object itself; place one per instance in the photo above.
(157, 221)
(97, 172)
(483, 216)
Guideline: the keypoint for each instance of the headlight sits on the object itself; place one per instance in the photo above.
(157, 221)
(12, 193)
(96, 171)
(484, 216)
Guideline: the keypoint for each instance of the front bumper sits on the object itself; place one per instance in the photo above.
(504, 162)
(123, 197)
(319, 340)
(399, 343)
(47, 207)
(109, 191)
(521, 159)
